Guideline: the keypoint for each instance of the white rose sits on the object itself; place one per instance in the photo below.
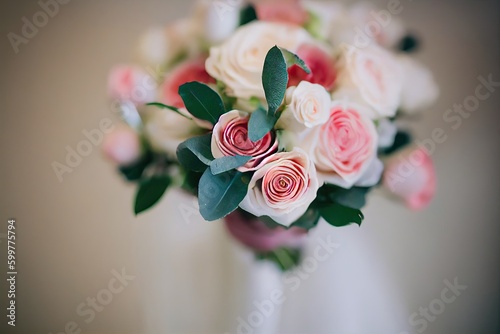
(283, 188)
(216, 21)
(308, 105)
(166, 129)
(420, 90)
(372, 76)
(238, 62)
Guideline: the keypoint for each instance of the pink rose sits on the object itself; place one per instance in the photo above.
(256, 235)
(122, 146)
(131, 83)
(284, 11)
(230, 138)
(283, 188)
(410, 175)
(191, 70)
(345, 146)
(322, 67)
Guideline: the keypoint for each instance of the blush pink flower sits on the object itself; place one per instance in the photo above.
(283, 188)
(256, 235)
(122, 146)
(410, 175)
(131, 83)
(345, 146)
(191, 70)
(321, 64)
(284, 11)
(230, 138)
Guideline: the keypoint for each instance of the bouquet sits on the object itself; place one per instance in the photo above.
(275, 114)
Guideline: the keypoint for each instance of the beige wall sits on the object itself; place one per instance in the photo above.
(71, 234)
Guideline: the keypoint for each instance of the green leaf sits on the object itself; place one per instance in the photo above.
(202, 101)
(247, 15)
(308, 220)
(150, 191)
(228, 163)
(285, 258)
(219, 195)
(292, 59)
(275, 75)
(354, 197)
(339, 215)
(134, 172)
(274, 78)
(261, 123)
(401, 140)
(195, 153)
(164, 106)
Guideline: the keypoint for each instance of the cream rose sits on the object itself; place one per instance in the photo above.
(238, 62)
(283, 188)
(345, 147)
(230, 137)
(372, 76)
(308, 105)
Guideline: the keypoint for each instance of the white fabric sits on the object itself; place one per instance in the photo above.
(195, 279)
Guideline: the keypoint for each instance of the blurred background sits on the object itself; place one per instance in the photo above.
(74, 236)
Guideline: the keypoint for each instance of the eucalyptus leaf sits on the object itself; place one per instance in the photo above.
(275, 75)
(261, 123)
(202, 101)
(150, 191)
(292, 59)
(219, 195)
(228, 163)
(195, 153)
(274, 78)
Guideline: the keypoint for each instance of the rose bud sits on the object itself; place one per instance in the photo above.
(345, 146)
(283, 188)
(191, 70)
(122, 146)
(230, 138)
(321, 64)
(410, 175)
(131, 83)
